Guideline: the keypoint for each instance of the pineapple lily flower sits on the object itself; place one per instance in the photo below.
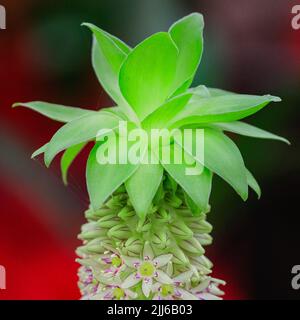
(148, 215)
(147, 270)
(208, 289)
(175, 290)
(115, 291)
(113, 264)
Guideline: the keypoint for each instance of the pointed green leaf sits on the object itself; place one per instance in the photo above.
(108, 54)
(147, 75)
(104, 179)
(39, 151)
(55, 111)
(222, 108)
(78, 131)
(192, 205)
(214, 92)
(248, 130)
(161, 117)
(223, 157)
(200, 91)
(67, 159)
(187, 34)
(143, 185)
(198, 186)
(253, 183)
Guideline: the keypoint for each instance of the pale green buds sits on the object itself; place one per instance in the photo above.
(119, 232)
(133, 247)
(192, 246)
(204, 238)
(180, 229)
(108, 221)
(126, 213)
(160, 239)
(201, 226)
(179, 256)
(96, 214)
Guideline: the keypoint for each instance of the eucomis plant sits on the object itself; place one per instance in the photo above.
(146, 225)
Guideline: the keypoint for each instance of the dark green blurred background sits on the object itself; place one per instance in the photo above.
(250, 47)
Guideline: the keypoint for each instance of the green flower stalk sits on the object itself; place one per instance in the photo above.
(147, 227)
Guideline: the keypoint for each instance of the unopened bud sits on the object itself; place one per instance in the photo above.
(203, 261)
(178, 255)
(119, 232)
(192, 246)
(108, 221)
(126, 213)
(201, 227)
(133, 247)
(96, 214)
(180, 229)
(174, 201)
(204, 239)
(160, 239)
(117, 201)
(99, 246)
(93, 234)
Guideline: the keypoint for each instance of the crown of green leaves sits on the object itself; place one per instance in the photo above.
(150, 85)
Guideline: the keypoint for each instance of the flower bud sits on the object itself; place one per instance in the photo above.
(174, 201)
(117, 201)
(178, 255)
(133, 247)
(108, 221)
(160, 239)
(192, 246)
(93, 234)
(180, 229)
(204, 239)
(201, 227)
(126, 212)
(96, 214)
(119, 232)
(203, 261)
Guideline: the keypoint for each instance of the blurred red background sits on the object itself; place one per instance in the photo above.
(45, 55)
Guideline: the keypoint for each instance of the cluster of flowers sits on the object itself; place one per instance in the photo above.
(149, 277)
(162, 258)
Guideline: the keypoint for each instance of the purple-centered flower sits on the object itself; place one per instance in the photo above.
(147, 270)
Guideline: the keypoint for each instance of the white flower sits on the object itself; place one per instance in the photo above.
(113, 264)
(147, 270)
(174, 290)
(114, 291)
(208, 289)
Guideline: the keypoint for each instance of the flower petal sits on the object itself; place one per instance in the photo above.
(131, 294)
(148, 252)
(130, 281)
(213, 289)
(162, 260)
(170, 269)
(147, 286)
(131, 262)
(208, 296)
(186, 295)
(163, 277)
(183, 277)
(156, 287)
(202, 286)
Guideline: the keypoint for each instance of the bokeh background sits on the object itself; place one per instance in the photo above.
(250, 47)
